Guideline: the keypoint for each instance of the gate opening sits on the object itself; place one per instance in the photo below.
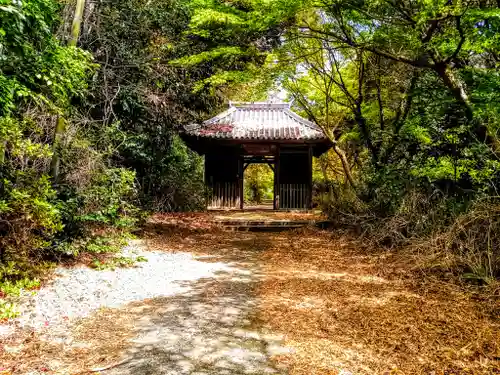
(258, 187)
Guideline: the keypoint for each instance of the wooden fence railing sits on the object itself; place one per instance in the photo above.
(225, 195)
(294, 196)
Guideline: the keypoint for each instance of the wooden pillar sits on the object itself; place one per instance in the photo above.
(241, 172)
(309, 198)
(276, 203)
(208, 178)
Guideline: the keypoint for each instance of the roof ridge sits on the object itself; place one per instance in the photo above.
(303, 121)
(220, 116)
(259, 105)
(258, 121)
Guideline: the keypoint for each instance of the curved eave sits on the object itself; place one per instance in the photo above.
(205, 143)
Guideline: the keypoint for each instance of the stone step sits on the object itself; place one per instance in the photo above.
(267, 225)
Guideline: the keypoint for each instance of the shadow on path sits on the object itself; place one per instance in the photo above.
(208, 329)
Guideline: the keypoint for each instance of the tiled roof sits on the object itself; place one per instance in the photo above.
(257, 121)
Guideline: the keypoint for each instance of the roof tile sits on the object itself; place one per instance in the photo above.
(259, 121)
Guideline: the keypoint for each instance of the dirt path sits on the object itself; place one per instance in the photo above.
(305, 302)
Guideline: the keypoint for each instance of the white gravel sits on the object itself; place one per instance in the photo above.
(187, 333)
(77, 292)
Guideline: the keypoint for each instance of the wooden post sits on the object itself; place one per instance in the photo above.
(310, 192)
(276, 204)
(241, 172)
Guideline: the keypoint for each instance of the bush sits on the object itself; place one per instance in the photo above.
(29, 218)
(105, 206)
(108, 199)
(440, 232)
(338, 200)
(472, 243)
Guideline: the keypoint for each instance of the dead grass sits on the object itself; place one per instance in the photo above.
(342, 305)
(96, 341)
(339, 305)
(370, 313)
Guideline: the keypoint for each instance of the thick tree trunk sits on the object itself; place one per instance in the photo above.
(456, 87)
(345, 164)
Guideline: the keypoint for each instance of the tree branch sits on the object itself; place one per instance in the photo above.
(420, 63)
(460, 43)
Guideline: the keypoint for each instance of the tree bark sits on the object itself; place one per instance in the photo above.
(3, 146)
(456, 87)
(61, 123)
(361, 121)
(56, 147)
(77, 22)
(345, 164)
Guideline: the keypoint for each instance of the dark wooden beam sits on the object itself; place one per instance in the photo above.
(309, 198)
(276, 203)
(241, 171)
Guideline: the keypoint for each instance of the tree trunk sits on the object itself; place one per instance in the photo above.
(77, 22)
(456, 87)
(3, 146)
(345, 164)
(56, 147)
(361, 121)
(61, 123)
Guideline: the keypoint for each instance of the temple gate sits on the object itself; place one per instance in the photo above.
(258, 133)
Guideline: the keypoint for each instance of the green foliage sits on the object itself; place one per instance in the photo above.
(8, 310)
(116, 262)
(148, 98)
(41, 79)
(107, 199)
(258, 183)
(409, 91)
(14, 288)
(232, 41)
(105, 244)
(29, 216)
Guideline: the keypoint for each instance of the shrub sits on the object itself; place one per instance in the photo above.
(29, 218)
(338, 201)
(108, 199)
(472, 243)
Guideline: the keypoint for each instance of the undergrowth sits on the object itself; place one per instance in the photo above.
(440, 233)
(471, 244)
(17, 281)
(116, 262)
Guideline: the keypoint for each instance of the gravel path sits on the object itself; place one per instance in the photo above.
(191, 316)
(77, 292)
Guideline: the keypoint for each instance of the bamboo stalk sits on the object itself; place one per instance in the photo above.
(3, 146)
(61, 123)
(77, 22)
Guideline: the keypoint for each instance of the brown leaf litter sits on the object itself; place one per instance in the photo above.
(339, 307)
